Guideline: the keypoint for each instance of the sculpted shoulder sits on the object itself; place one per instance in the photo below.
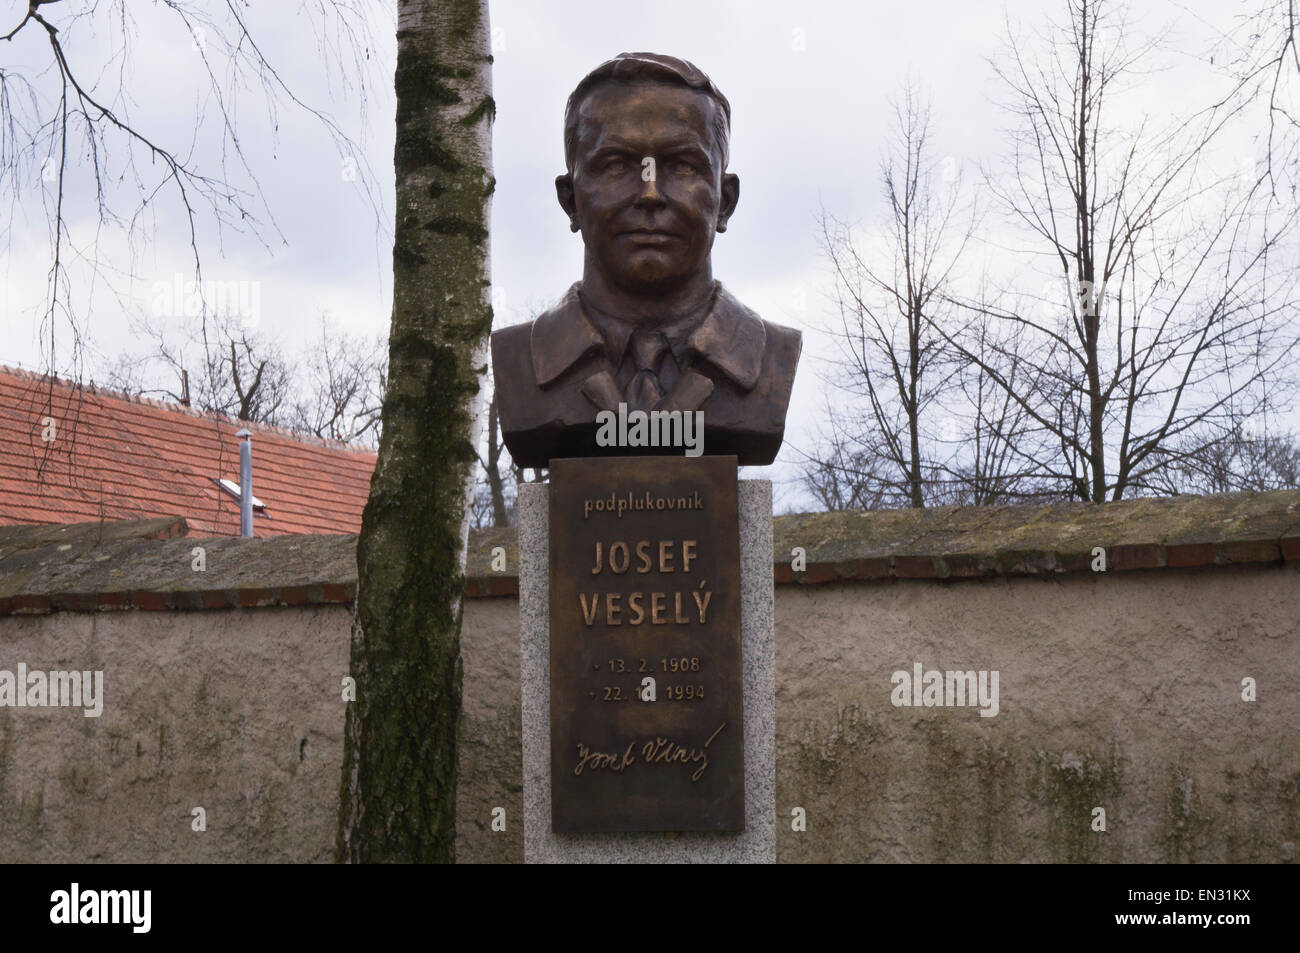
(785, 344)
(776, 338)
(512, 369)
(507, 341)
(760, 358)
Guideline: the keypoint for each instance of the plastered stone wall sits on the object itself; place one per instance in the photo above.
(1120, 691)
(1115, 691)
(239, 712)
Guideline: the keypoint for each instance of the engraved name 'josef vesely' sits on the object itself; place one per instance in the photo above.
(643, 556)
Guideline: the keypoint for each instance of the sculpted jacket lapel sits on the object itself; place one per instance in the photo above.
(731, 339)
(561, 337)
(691, 390)
(602, 390)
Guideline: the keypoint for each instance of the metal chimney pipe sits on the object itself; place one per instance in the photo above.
(245, 482)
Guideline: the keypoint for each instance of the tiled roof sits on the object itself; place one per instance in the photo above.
(116, 457)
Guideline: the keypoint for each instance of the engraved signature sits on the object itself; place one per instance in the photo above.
(658, 750)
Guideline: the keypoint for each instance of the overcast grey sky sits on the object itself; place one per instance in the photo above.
(809, 85)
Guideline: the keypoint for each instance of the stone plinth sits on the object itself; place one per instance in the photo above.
(757, 844)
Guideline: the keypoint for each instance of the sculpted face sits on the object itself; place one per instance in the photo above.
(648, 233)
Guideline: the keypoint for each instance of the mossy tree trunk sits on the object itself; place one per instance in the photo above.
(398, 790)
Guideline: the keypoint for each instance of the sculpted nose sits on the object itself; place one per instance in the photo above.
(650, 196)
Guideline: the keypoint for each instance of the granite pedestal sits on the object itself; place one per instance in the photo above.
(757, 843)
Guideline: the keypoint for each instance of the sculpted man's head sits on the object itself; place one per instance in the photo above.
(646, 148)
(646, 335)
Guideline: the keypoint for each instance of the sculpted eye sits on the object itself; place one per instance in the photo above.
(615, 167)
(683, 167)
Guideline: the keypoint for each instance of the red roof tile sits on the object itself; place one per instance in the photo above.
(115, 457)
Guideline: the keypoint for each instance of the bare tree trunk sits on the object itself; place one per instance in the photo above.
(916, 321)
(398, 790)
(1085, 271)
(496, 482)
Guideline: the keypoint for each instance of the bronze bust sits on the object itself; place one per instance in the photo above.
(647, 328)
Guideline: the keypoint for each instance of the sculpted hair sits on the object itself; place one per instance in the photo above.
(647, 68)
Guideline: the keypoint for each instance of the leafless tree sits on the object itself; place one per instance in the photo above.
(497, 483)
(1240, 461)
(490, 507)
(340, 387)
(992, 442)
(216, 365)
(399, 774)
(397, 789)
(888, 293)
(1263, 54)
(68, 135)
(848, 470)
(333, 389)
(1165, 326)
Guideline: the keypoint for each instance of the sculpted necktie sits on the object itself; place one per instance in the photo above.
(648, 348)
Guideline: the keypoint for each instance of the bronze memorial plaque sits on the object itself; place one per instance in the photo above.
(645, 645)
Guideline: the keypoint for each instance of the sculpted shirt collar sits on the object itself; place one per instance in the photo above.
(618, 333)
(731, 338)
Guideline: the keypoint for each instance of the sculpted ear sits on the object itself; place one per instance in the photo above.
(730, 196)
(564, 192)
